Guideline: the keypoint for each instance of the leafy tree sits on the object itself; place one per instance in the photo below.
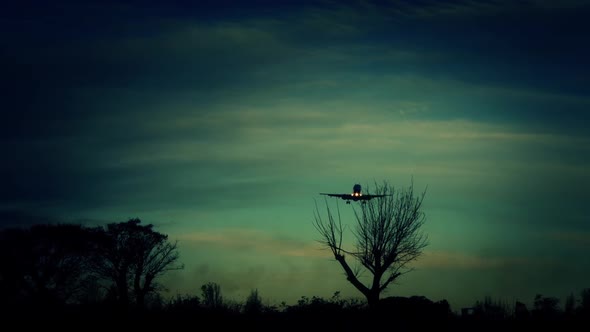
(154, 255)
(132, 257)
(44, 264)
(388, 237)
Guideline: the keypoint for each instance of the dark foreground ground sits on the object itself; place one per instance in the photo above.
(307, 319)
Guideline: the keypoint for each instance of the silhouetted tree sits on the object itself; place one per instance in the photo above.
(253, 303)
(570, 305)
(45, 264)
(492, 310)
(211, 293)
(388, 237)
(184, 304)
(585, 302)
(520, 311)
(546, 307)
(154, 255)
(415, 308)
(132, 256)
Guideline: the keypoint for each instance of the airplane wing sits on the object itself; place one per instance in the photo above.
(372, 196)
(337, 195)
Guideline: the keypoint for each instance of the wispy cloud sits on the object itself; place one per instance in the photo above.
(10, 218)
(447, 8)
(470, 8)
(466, 261)
(244, 240)
(559, 4)
(254, 240)
(314, 133)
(579, 239)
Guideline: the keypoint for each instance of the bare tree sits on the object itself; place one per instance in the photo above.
(388, 237)
(212, 297)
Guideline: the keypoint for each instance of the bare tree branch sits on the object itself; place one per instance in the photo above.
(388, 236)
(330, 230)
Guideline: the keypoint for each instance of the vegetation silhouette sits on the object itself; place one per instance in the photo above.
(388, 236)
(69, 275)
(43, 266)
(131, 256)
(212, 297)
(48, 268)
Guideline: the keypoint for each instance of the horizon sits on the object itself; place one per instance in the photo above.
(221, 124)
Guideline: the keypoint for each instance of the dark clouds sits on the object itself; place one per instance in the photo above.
(12, 218)
(243, 113)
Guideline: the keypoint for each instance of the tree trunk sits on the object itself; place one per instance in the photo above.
(140, 299)
(123, 292)
(139, 294)
(375, 290)
(373, 297)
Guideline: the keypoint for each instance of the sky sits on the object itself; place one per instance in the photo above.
(220, 122)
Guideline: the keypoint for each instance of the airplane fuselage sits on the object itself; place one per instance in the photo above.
(356, 195)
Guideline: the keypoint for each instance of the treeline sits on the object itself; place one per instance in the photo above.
(66, 271)
(544, 308)
(53, 268)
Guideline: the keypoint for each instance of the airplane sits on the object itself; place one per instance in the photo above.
(356, 195)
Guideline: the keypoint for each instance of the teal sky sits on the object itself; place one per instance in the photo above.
(221, 124)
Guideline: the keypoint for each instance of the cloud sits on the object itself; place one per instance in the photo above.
(249, 153)
(10, 218)
(263, 242)
(465, 261)
(567, 4)
(576, 239)
(430, 9)
(254, 240)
